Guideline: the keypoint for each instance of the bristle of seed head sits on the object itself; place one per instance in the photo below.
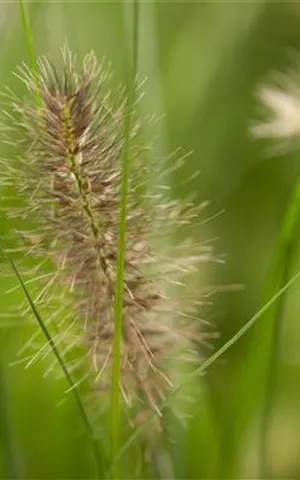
(70, 177)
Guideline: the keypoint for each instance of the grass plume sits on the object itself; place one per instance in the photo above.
(69, 175)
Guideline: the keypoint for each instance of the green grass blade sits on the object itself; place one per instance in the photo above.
(278, 275)
(30, 47)
(213, 358)
(11, 467)
(118, 306)
(99, 456)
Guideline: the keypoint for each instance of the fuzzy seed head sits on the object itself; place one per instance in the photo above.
(70, 177)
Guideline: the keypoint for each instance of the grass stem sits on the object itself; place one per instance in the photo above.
(30, 47)
(118, 306)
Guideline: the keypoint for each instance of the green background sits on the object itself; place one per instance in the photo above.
(203, 62)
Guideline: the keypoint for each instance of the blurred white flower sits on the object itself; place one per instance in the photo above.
(284, 114)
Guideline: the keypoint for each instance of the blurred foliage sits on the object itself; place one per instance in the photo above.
(203, 62)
